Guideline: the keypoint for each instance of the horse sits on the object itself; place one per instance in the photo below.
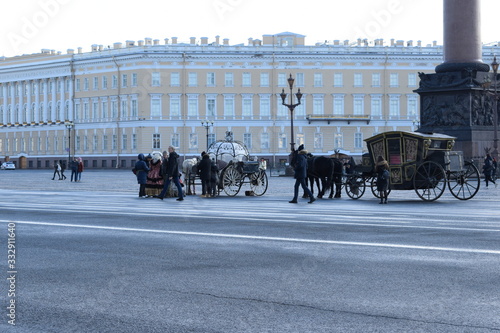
(328, 172)
(190, 170)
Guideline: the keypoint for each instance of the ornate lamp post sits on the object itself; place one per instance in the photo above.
(494, 66)
(207, 124)
(69, 125)
(291, 106)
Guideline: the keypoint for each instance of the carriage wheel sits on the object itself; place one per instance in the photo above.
(231, 180)
(355, 186)
(258, 182)
(429, 181)
(373, 187)
(464, 184)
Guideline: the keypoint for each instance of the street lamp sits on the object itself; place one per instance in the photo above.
(494, 66)
(207, 124)
(291, 106)
(69, 125)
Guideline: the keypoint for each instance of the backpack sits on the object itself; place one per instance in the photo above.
(385, 174)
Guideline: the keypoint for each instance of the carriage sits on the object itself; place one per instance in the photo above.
(236, 167)
(421, 162)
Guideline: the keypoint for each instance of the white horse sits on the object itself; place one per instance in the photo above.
(190, 170)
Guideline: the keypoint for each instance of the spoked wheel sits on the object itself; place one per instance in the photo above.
(464, 184)
(373, 187)
(231, 180)
(429, 181)
(355, 186)
(258, 182)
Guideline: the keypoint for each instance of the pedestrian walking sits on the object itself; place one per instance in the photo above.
(205, 170)
(80, 169)
(382, 170)
(74, 169)
(171, 174)
(488, 169)
(141, 171)
(57, 170)
(300, 174)
(63, 168)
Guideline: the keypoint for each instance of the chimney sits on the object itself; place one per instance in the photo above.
(419, 43)
(117, 45)
(101, 47)
(336, 42)
(140, 43)
(80, 50)
(70, 51)
(174, 40)
(192, 40)
(204, 40)
(226, 41)
(392, 41)
(434, 43)
(156, 42)
(94, 47)
(409, 43)
(250, 41)
(217, 40)
(346, 42)
(166, 41)
(148, 41)
(359, 41)
(130, 43)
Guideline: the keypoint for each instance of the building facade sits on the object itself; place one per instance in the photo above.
(110, 104)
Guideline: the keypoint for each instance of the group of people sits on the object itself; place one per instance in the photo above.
(155, 173)
(76, 166)
(208, 171)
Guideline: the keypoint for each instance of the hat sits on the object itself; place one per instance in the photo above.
(203, 153)
(301, 147)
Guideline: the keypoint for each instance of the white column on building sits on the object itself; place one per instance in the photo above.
(44, 84)
(70, 100)
(5, 102)
(28, 101)
(12, 103)
(20, 89)
(37, 101)
(62, 99)
(53, 111)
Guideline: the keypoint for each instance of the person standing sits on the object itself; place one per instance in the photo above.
(171, 174)
(488, 168)
(141, 171)
(382, 170)
(80, 169)
(214, 178)
(63, 168)
(204, 170)
(57, 170)
(74, 169)
(300, 174)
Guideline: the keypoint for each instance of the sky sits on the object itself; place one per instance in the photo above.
(27, 26)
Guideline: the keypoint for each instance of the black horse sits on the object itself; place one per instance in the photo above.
(326, 171)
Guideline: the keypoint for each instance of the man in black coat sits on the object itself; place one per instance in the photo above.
(204, 170)
(171, 174)
(300, 168)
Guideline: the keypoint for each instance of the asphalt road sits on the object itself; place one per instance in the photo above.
(92, 257)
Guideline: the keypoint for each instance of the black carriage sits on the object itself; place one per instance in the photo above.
(237, 167)
(421, 162)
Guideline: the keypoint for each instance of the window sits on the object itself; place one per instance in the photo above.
(155, 106)
(358, 105)
(211, 79)
(134, 80)
(376, 105)
(282, 141)
(156, 141)
(318, 140)
(104, 82)
(211, 106)
(155, 79)
(85, 85)
(175, 81)
(229, 105)
(338, 104)
(318, 79)
(124, 80)
(412, 79)
(358, 140)
(229, 79)
(394, 106)
(300, 139)
(95, 143)
(358, 79)
(134, 108)
(246, 106)
(114, 142)
(338, 80)
(114, 108)
(124, 141)
(211, 139)
(193, 141)
(299, 80)
(412, 106)
(264, 79)
(247, 79)
(247, 140)
(104, 109)
(175, 106)
(192, 79)
(338, 140)
(318, 104)
(192, 105)
(95, 84)
(174, 140)
(282, 82)
(104, 142)
(134, 141)
(265, 105)
(114, 82)
(394, 80)
(376, 80)
(264, 140)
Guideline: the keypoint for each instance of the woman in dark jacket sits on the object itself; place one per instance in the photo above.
(141, 171)
(382, 170)
(204, 170)
(300, 168)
